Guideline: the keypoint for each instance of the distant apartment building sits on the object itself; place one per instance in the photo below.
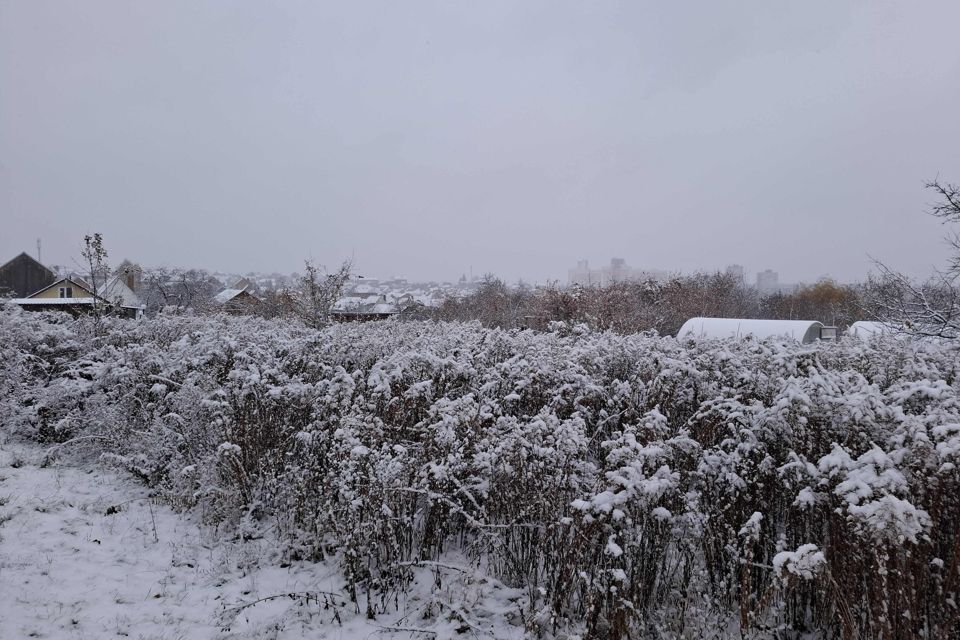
(737, 272)
(768, 281)
(617, 271)
(581, 274)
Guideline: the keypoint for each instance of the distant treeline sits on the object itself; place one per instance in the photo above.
(631, 307)
(625, 307)
(929, 308)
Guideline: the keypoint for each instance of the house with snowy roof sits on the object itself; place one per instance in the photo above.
(243, 284)
(74, 296)
(119, 293)
(236, 301)
(363, 308)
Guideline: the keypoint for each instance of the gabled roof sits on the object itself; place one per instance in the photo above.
(23, 275)
(227, 295)
(58, 282)
(23, 255)
(242, 284)
(117, 291)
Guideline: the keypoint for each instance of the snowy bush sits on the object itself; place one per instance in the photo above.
(627, 485)
(805, 562)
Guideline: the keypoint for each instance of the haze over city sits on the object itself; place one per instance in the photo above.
(427, 139)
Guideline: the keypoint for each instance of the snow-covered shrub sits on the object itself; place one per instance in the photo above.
(804, 563)
(626, 484)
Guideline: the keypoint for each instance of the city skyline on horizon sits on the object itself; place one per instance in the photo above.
(749, 276)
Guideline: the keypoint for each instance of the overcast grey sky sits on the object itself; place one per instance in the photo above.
(513, 137)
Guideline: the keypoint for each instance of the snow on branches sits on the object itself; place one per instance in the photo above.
(625, 484)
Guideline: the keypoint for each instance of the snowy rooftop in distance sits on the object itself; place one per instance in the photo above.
(384, 307)
(377, 308)
(117, 291)
(227, 295)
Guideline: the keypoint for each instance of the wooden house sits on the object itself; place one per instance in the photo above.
(237, 301)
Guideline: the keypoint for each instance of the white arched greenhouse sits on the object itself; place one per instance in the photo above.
(803, 331)
(866, 329)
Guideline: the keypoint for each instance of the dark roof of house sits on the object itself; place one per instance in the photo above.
(23, 275)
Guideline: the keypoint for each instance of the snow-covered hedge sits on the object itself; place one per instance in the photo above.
(627, 484)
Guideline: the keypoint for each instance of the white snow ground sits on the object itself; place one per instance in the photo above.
(68, 570)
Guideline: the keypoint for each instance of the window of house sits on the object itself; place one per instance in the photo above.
(66, 292)
(69, 292)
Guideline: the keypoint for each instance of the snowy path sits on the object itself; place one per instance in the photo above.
(85, 554)
(69, 570)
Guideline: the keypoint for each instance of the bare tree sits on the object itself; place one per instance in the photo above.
(826, 301)
(178, 289)
(157, 291)
(317, 292)
(277, 303)
(196, 288)
(95, 259)
(948, 210)
(931, 308)
(624, 307)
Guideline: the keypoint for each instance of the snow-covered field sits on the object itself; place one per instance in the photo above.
(86, 553)
(236, 477)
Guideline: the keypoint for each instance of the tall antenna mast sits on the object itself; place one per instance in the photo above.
(38, 250)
